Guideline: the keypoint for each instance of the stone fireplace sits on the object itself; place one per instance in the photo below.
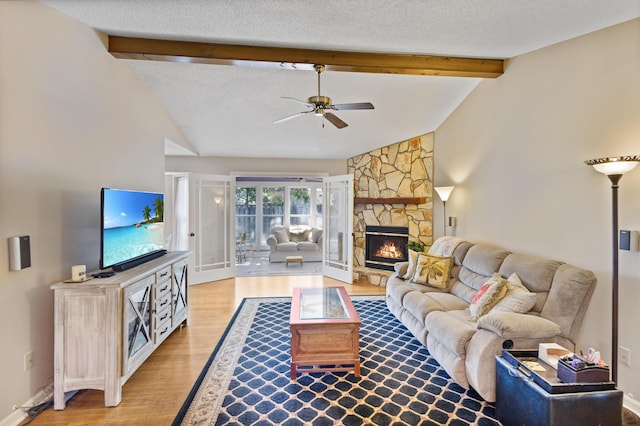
(393, 187)
(385, 245)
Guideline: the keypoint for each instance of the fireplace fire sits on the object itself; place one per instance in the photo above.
(385, 245)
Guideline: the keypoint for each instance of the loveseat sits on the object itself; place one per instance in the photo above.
(285, 241)
(465, 322)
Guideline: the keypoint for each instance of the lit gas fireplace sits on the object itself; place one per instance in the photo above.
(390, 250)
(385, 245)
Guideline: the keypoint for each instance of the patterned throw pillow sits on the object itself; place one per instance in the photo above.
(489, 294)
(411, 269)
(433, 270)
(300, 236)
(517, 299)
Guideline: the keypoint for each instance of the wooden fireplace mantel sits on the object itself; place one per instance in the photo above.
(395, 200)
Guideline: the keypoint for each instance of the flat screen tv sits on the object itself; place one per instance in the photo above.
(132, 230)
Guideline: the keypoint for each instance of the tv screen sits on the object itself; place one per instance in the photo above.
(132, 227)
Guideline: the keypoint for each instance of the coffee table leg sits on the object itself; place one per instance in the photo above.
(294, 371)
(357, 369)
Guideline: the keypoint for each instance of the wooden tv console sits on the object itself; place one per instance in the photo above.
(105, 328)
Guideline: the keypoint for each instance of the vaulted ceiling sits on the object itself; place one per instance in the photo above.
(225, 102)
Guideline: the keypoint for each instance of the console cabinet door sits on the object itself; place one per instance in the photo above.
(179, 290)
(138, 337)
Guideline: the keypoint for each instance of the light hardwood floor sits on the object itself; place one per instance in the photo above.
(155, 393)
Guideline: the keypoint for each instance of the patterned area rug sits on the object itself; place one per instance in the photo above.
(246, 381)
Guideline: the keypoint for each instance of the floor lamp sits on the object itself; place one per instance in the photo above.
(444, 192)
(614, 168)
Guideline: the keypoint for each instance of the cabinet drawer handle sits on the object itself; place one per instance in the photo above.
(163, 289)
(164, 331)
(165, 316)
(164, 274)
(164, 303)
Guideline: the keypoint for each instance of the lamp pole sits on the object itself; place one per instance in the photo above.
(614, 277)
(614, 168)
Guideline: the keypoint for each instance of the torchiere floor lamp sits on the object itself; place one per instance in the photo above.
(614, 168)
(444, 192)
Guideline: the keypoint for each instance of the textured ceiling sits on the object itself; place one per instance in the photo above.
(228, 111)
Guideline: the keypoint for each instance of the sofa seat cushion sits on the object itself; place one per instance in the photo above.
(421, 304)
(397, 289)
(453, 329)
(307, 246)
(290, 246)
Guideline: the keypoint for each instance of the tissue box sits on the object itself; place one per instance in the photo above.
(551, 353)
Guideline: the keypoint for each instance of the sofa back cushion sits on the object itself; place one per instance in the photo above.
(535, 272)
(281, 233)
(478, 265)
(569, 297)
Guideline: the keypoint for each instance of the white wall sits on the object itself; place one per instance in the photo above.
(515, 148)
(225, 166)
(72, 119)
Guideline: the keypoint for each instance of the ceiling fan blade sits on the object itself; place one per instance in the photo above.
(358, 105)
(297, 114)
(299, 101)
(333, 119)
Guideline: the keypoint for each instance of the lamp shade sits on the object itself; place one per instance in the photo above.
(614, 165)
(444, 192)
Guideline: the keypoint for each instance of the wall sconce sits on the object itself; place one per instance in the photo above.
(444, 192)
(614, 168)
(217, 199)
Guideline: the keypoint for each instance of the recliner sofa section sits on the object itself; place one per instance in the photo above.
(466, 348)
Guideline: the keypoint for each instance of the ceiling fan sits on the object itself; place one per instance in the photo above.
(321, 106)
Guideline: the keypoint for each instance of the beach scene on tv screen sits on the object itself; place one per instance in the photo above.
(133, 225)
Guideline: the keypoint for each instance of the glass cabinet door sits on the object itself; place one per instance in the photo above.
(179, 305)
(138, 339)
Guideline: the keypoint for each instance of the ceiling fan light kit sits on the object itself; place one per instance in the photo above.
(319, 105)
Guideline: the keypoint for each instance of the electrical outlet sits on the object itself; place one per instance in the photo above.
(625, 355)
(28, 361)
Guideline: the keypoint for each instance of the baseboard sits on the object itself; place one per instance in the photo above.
(18, 416)
(631, 404)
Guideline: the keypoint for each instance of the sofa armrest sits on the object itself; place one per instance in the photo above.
(272, 242)
(510, 325)
(400, 268)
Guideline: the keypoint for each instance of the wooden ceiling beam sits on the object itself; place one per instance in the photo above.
(295, 58)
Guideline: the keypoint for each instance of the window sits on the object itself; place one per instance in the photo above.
(300, 206)
(246, 215)
(261, 205)
(272, 209)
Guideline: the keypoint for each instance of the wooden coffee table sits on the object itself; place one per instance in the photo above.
(325, 331)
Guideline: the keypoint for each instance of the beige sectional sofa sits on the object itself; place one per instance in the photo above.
(284, 241)
(466, 347)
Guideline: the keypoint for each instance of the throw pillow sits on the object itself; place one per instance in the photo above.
(300, 236)
(411, 269)
(433, 270)
(315, 234)
(281, 235)
(517, 299)
(489, 294)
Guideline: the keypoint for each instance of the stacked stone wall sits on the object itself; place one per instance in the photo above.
(404, 169)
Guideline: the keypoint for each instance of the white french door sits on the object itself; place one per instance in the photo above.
(212, 220)
(337, 239)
